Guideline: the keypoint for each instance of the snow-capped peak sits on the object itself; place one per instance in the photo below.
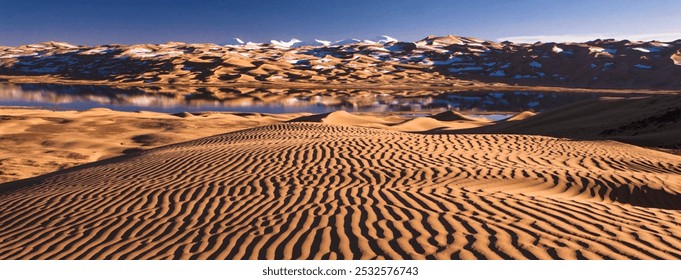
(556, 49)
(285, 44)
(346, 41)
(293, 43)
(233, 42)
(323, 42)
(383, 39)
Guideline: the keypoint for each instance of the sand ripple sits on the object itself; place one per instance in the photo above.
(316, 191)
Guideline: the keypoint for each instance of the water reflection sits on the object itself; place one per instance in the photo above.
(68, 97)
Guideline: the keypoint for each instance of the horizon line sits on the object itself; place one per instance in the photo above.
(523, 39)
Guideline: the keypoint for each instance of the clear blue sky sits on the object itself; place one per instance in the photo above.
(94, 22)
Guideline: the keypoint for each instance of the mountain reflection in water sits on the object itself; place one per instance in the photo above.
(172, 100)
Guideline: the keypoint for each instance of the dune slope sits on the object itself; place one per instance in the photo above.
(318, 191)
(651, 121)
(35, 141)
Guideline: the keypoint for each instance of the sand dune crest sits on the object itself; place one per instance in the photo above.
(521, 116)
(451, 115)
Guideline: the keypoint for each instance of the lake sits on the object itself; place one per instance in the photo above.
(77, 97)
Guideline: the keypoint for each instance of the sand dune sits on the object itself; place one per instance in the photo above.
(521, 116)
(34, 142)
(345, 118)
(423, 124)
(450, 115)
(318, 191)
(343, 185)
(447, 120)
(651, 121)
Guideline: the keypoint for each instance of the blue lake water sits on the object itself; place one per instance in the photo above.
(70, 97)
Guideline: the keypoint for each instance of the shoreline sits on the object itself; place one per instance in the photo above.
(462, 86)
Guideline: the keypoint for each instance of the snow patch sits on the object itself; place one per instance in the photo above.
(600, 50)
(648, 50)
(642, 50)
(298, 61)
(170, 53)
(346, 42)
(64, 45)
(251, 46)
(322, 67)
(323, 42)
(97, 51)
(285, 44)
(383, 39)
(139, 52)
(18, 55)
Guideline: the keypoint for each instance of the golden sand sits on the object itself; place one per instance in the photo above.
(334, 186)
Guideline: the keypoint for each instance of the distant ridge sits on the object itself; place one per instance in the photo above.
(382, 60)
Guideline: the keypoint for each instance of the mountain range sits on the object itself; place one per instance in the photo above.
(434, 60)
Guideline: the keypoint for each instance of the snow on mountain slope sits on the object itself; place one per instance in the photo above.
(383, 39)
(382, 60)
(347, 42)
(285, 44)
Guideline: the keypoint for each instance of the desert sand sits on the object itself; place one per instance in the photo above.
(345, 186)
(37, 141)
